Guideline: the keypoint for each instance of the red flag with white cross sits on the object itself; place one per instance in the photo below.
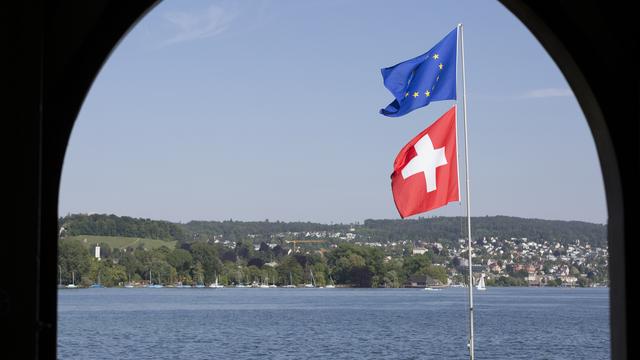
(425, 172)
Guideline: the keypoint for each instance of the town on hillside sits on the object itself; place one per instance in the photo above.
(114, 251)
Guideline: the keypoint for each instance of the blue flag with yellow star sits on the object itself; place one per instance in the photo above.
(429, 77)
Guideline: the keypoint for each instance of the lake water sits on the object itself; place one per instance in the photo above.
(511, 323)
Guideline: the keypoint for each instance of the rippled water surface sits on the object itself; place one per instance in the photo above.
(511, 323)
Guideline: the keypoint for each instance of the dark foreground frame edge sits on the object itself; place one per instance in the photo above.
(54, 50)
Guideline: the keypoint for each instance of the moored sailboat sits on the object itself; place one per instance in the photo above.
(481, 285)
(313, 283)
(73, 281)
(129, 284)
(152, 285)
(96, 284)
(216, 285)
(331, 285)
(290, 285)
(200, 283)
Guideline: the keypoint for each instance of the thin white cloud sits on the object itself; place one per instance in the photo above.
(547, 93)
(193, 26)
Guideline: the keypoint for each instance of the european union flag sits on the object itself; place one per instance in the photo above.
(429, 77)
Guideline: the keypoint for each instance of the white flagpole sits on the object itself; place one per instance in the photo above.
(466, 161)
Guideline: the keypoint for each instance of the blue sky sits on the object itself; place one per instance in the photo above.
(256, 110)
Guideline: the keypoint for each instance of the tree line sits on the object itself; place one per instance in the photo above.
(441, 229)
(446, 229)
(204, 263)
(113, 225)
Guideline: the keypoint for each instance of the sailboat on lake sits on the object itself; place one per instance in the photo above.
(313, 282)
(215, 285)
(331, 284)
(152, 285)
(97, 284)
(290, 282)
(73, 281)
(481, 285)
(200, 283)
(129, 284)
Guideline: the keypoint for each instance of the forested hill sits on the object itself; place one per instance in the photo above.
(444, 229)
(112, 225)
(503, 227)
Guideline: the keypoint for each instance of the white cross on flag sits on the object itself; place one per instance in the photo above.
(425, 173)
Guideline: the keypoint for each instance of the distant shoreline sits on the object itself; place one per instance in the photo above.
(337, 287)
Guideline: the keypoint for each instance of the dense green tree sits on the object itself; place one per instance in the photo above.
(243, 249)
(207, 256)
(74, 260)
(290, 270)
(105, 273)
(416, 264)
(133, 266)
(356, 265)
(257, 262)
(181, 260)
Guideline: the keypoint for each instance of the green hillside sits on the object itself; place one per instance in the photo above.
(112, 225)
(446, 230)
(122, 242)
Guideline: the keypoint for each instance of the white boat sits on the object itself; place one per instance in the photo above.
(480, 285)
(313, 282)
(200, 283)
(215, 285)
(264, 285)
(98, 284)
(331, 285)
(290, 286)
(427, 287)
(181, 285)
(151, 285)
(73, 281)
(129, 284)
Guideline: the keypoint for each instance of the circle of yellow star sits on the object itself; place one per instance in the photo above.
(436, 56)
(415, 94)
(428, 93)
(440, 66)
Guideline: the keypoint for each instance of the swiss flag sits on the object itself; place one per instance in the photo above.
(425, 173)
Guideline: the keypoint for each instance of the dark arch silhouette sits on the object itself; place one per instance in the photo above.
(53, 50)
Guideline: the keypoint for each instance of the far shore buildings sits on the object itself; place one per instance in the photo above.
(419, 251)
(539, 263)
